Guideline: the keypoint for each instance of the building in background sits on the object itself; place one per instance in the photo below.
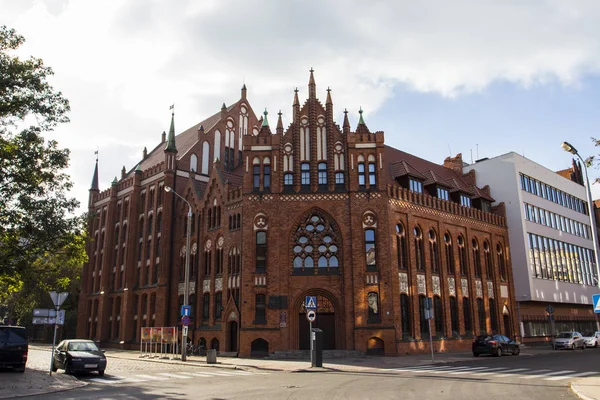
(551, 243)
(314, 209)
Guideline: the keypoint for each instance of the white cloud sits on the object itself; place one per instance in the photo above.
(122, 63)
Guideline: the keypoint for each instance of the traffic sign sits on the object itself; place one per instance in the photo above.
(185, 331)
(596, 303)
(44, 312)
(186, 311)
(185, 320)
(311, 315)
(311, 302)
(550, 309)
(60, 317)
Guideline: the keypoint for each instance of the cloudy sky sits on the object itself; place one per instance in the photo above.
(481, 77)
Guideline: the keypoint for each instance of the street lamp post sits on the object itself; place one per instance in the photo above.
(568, 147)
(186, 287)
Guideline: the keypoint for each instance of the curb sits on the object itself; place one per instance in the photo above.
(578, 392)
(77, 384)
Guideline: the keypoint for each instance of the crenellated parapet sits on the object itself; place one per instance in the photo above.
(425, 200)
(153, 170)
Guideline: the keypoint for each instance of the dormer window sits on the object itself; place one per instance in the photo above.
(443, 194)
(416, 186)
(465, 200)
(486, 206)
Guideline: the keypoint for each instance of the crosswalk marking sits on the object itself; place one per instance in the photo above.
(491, 371)
(165, 376)
(152, 377)
(467, 371)
(535, 373)
(538, 375)
(579, 375)
(512, 372)
(108, 381)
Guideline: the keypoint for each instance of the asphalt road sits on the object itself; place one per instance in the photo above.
(543, 377)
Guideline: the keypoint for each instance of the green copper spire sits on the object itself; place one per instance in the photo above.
(265, 122)
(361, 121)
(171, 140)
(114, 182)
(138, 168)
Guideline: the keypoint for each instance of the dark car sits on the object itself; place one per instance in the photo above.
(79, 355)
(495, 345)
(13, 347)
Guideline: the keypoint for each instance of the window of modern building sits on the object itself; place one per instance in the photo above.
(261, 251)
(552, 194)
(415, 185)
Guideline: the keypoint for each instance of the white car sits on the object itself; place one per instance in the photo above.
(592, 339)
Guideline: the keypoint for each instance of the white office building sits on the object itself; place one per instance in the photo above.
(551, 246)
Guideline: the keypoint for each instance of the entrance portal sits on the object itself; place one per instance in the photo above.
(233, 335)
(325, 321)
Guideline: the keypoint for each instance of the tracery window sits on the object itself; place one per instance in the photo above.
(316, 241)
(401, 246)
(420, 256)
(476, 258)
(501, 266)
(462, 256)
(433, 252)
(449, 254)
(489, 265)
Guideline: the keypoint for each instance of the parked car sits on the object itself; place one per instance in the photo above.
(14, 347)
(569, 340)
(79, 355)
(495, 345)
(591, 338)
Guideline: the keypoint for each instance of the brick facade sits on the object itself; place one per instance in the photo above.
(314, 209)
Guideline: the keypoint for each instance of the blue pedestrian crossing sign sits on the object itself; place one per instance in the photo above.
(186, 311)
(311, 302)
(596, 303)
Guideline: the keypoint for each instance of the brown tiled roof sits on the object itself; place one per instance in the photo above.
(481, 194)
(235, 177)
(429, 171)
(184, 142)
(199, 188)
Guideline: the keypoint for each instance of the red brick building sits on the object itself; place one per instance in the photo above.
(279, 214)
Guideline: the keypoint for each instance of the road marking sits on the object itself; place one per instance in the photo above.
(489, 371)
(512, 372)
(467, 371)
(535, 373)
(153, 377)
(175, 375)
(106, 381)
(548, 374)
(557, 378)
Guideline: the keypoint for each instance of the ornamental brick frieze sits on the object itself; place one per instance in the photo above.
(181, 288)
(233, 206)
(206, 286)
(369, 195)
(462, 220)
(452, 286)
(490, 289)
(464, 285)
(314, 197)
(421, 285)
(266, 197)
(403, 282)
(435, 280)
(478, 288)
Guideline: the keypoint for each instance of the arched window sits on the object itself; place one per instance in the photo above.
(261, 251)
(218, 305)
(372, 175)
(256, 173)
(405, 315)
(371, 256)
(419, 254)
(373, 304)
(481, 317)
(401, 246)
(205, 157)
(288, 179)
(476, 258)
(193, 163)
(424, 327)
(260, 310)
(438, 314)
(501, 266)
(267, 176)
(207, 262)
(339, 178)
(454, 316)
(449, 254)
(322, 171)
(316, 239)
(462, 255)
(361, 170)
(467, 314)
(489, 265)
(433, 252)
(217, 145)
(206, 306)
(305, 173)
(140, 228)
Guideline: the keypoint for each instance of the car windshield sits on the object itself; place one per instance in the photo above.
(483, 338)
(588, 334)
(82, 346)
(564, 335)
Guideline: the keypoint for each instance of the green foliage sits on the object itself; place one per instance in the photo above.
(35, 212)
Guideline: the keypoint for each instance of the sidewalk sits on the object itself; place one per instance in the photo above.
(34, 381)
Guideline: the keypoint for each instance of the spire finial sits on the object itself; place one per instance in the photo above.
(346, 126)
(171, 140)
(279, 123)
(296, 101)
(95, 176)
(312, 86)
(265, 122)
(361, 121)
(328, 96)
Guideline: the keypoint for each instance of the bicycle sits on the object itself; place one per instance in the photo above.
(191, 349)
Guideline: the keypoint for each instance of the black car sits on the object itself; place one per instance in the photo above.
(495, 345)
(79, 355)
(13, 347)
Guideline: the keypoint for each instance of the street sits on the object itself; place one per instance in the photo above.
(545, 375)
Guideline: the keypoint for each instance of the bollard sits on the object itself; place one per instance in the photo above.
(211, 356)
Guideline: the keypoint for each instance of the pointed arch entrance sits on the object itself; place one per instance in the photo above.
(328, 320)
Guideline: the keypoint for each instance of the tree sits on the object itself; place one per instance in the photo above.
(35, 212)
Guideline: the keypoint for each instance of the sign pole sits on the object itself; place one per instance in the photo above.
(430, 340)
(53, 343)
(310, 340)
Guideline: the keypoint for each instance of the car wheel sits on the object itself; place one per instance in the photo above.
(573, 346)
(499, 352)
(475, 354)
(101, 372)
(583, 346)
(516, 351)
